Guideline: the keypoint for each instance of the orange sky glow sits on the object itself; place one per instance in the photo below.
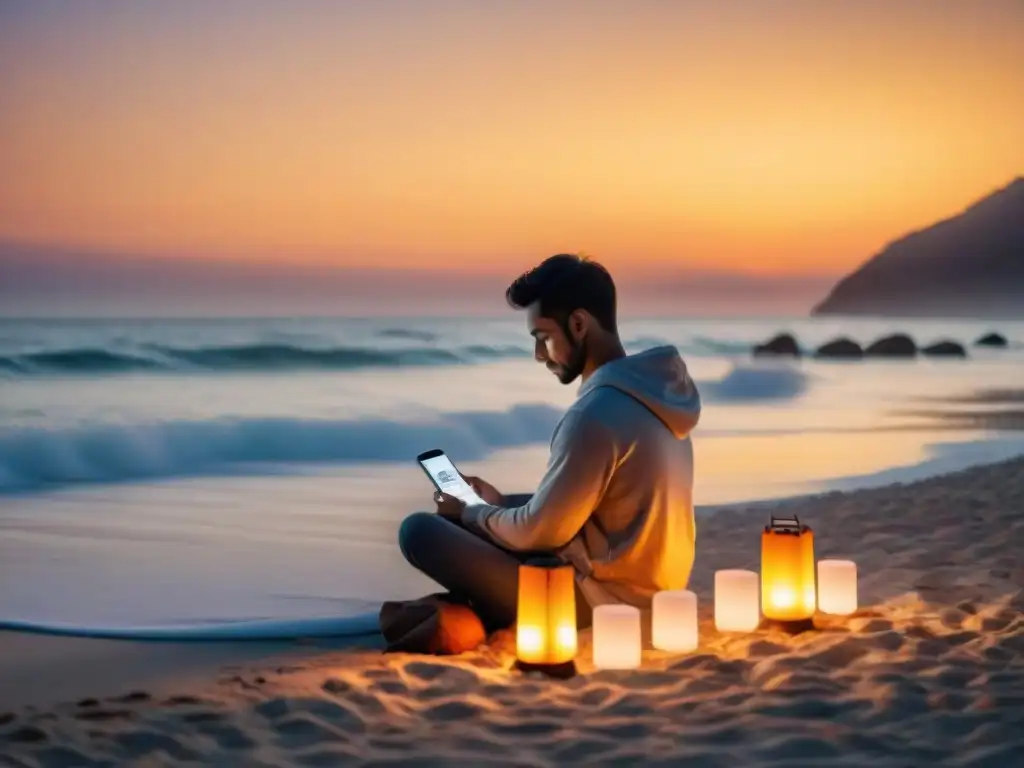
(762, 137)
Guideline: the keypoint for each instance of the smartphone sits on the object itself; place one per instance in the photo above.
(446, 477)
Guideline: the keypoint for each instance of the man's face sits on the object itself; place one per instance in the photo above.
(555, 346)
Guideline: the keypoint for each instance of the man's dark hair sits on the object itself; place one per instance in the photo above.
(564, 283)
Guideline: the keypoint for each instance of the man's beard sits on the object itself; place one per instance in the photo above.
(569, 372)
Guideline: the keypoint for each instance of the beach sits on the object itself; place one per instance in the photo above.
(929, 671)
(667, 270)
(187, 473)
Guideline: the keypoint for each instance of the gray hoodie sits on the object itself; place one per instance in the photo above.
(617, 498)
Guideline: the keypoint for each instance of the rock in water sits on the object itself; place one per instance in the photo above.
(945, 349)
(991, 340)
(843, 348)
(783, 344)
(897, 345)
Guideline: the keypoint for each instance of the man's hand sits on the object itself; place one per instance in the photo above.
(485, 490)
(449, 507)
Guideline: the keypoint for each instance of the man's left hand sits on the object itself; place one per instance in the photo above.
(449, 507)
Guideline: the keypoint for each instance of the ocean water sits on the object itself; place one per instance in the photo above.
(178, 471)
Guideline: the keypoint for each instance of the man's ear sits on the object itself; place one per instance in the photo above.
(578, 324)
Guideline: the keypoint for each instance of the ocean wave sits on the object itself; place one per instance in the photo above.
(712, 346)
(71, 360)
(756, 384)
(643, 342)
(246, 357)
(407, 333)
(34, 458)
(285, 355)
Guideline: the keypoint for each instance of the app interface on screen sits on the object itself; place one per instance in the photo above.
(450, 481)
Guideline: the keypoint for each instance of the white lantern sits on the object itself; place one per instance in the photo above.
(616, 637)
(737, 607)
(674, 620)
(837, 586)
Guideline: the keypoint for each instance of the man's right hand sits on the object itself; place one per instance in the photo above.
(485, 490)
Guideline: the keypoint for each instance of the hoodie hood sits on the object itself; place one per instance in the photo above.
(658, 378)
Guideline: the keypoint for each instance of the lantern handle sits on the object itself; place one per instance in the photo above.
(785, 522)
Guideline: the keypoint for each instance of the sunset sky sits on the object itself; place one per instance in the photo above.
(789, 140)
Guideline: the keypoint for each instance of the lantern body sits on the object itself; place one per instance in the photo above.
(674, 620)
(837, 586)
(617, 642)
(736, 601)
(787, 571)
(546, 613)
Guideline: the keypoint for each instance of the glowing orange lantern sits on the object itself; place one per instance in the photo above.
(546, 618)
(788, 595)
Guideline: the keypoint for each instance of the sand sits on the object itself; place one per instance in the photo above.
(929, 672)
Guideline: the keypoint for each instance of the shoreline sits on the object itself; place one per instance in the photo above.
(928, 668)
(1001, 443)
(997, 449)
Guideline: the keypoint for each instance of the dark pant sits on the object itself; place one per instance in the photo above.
(471, 568)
